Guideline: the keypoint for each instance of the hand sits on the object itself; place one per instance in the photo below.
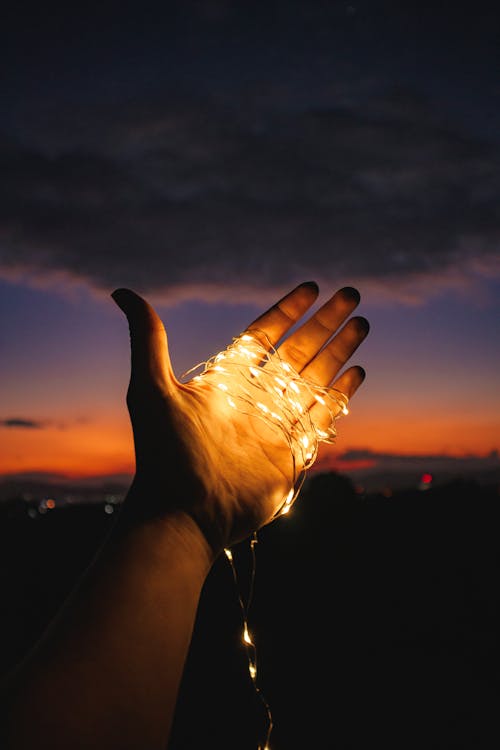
(196, 458)
(207, 476)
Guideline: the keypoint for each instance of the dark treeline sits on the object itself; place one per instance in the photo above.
(375, 619)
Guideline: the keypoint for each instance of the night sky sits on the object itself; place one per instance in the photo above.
(212, 155)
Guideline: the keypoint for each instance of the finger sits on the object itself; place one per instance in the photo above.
(348, 383)
(276, 321)
(330, 360)
(306, 341)
(148, 339)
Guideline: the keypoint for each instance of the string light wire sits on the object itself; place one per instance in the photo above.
(255, 380)
(248, 642)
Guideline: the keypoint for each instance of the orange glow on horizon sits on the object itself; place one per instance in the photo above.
(414, 433)
(104, 445)
(80, 451)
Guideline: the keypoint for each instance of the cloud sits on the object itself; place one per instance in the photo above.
(365, 454)
(25, 424)
(187, 199)
(365, 463)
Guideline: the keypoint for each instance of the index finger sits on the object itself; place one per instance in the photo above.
(279, 318)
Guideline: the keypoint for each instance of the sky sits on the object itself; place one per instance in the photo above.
(212, 155)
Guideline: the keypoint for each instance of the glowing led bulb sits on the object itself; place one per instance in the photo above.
(246, 636)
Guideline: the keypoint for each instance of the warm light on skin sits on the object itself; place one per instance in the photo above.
(248, 376)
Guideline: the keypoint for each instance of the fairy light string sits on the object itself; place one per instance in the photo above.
(256, 381)
(247, 638)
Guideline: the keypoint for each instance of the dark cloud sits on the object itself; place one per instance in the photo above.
(365, 454)
(376, 470)
(367, 458)
(25, 424)
(188, 199)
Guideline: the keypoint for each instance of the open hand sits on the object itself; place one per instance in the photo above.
(195, 457)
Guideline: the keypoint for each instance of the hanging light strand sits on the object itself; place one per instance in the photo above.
(247, 638)
(256, 381)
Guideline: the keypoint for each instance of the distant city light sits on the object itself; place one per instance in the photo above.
(425, 481)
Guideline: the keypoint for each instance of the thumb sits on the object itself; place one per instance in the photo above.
(148, 339)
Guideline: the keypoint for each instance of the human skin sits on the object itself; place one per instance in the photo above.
(113, 658)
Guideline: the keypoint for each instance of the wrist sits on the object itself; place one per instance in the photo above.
(162, 531)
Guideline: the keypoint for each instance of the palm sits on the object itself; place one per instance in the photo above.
(229, 471)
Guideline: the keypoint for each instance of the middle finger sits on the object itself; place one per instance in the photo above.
(330, 360)
(302, 346)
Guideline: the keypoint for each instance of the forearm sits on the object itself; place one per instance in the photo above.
(107, 673)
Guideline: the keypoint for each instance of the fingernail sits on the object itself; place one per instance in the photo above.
(363, 324)
(350, 291)
(311, 285)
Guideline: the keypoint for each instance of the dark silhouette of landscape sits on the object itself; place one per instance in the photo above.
(375, 618)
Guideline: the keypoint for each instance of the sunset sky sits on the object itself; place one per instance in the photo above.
(212, 155)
